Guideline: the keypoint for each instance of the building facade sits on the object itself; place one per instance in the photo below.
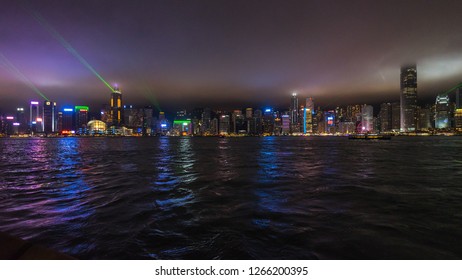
(116, 118)
(442, 111)
(408, 85)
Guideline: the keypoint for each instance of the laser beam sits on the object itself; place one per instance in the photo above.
(151, 97)
(6, 63)
(53, 32)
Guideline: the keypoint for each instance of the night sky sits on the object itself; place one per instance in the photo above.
(227, 53)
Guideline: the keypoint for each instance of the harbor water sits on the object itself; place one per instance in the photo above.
(235, 198)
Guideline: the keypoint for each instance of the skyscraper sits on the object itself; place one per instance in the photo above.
(424, 123)
(35, 117)
(268, 121)
(81, 119)
(294, 123)
(258, 119)
(67, 122)
(131, 116)
(116, 107)
(49, 116)
(395, 116)
(459, 98)
(238, 122)
(224, 124)
(385, 116)
(408, 81)
(148, 120)
(248, 113)
(329, 122)
(21, 119)
(458, 120)
(442, 111)
(162, 126)
(308, 116)
(285, 119)
(206, 121)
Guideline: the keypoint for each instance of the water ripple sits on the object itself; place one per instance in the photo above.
(235, 198)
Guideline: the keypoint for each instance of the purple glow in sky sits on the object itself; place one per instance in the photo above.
(187, 53)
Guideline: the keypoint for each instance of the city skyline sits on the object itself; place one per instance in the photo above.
(116, 118)
(168, 54)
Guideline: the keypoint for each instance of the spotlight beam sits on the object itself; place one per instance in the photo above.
(6, 63)
(53, 32)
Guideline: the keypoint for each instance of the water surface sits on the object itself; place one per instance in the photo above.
(235, 198)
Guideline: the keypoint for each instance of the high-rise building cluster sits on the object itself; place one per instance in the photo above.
(301, 117)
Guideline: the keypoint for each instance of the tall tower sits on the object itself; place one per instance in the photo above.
(81, 118)
(49, 116)
(294, 123)
(385, 117)
(442, 111)
(116, 107)
(408, 81)
(35, 121)
(308, 116)
(459, 98)
(22, 120)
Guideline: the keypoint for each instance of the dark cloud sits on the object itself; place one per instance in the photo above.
(187, 53)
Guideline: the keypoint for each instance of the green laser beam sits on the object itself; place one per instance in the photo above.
(147, 92)
(53, 32)
(6, 63)
(151, 97)
(453, 89)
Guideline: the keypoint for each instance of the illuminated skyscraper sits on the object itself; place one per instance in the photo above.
(182, 127)
(34, 111)
(258, 121)
(49, 116)
(116, 107)
(458, 120)
(206, 121)
(238, 122)
(285, 119)
(248, 113)
(162, 126)
(106, 114)
(442, 111)
(59, 122)
(20, 116)
(329, 122)
(395, 116)
(22, 120)
(67, 122)
(224, 124)
(459, 98)
(277, 130)
(81, 119)
(268, 121)
(308, 116)
(294, 122)
(385, 117)
(424, 123)
(196, 119)
(182, 124)
(148, 120)
(408, 98)
(35, 120)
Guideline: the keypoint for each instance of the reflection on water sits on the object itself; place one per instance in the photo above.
(263, 198)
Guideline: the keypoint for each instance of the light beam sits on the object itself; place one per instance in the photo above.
(5, 63)
(53, 32)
